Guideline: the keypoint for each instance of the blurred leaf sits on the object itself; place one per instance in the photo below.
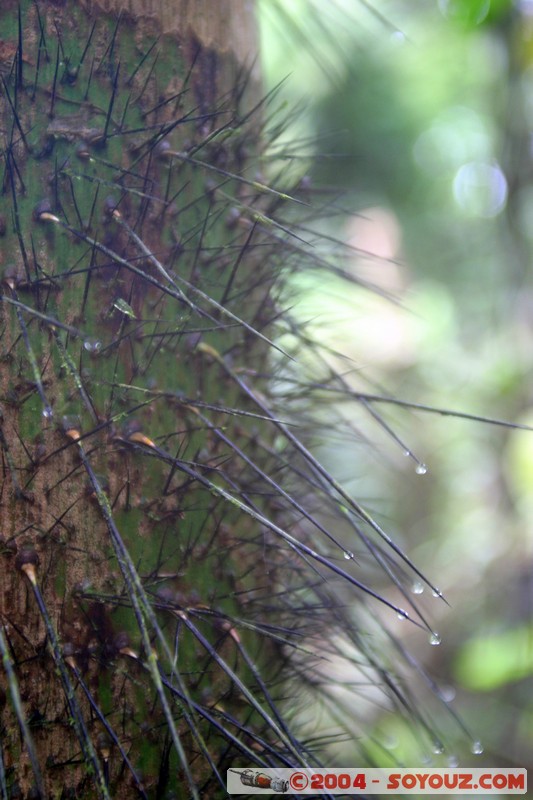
(490, 662)
(519, 456)
(470, 13)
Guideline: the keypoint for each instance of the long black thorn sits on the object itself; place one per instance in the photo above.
(244, 248)
(167, 202)
(323, 473)
(163, 130)
(20, 56)
(123, 173)
(111, 48)
(54, 83)
(36, 267)
(224, 666)
(207, 217)
(19, 493)
(427, 678)
(73, 195)
(300, 547)
(71, 662)
(242, 81)
(147, 80)
(214, 134)
(124, 113)
(58, 521)
(89, 80)
(177, 293)
(115, 258)
(278, 489)
(111, 103)
(215, 723)
(381, 558)
(16, 119)
(264, 101)
(222, 309)
(60, 41)
(140, 603)
(51, 321)
(129, 81)
(75, 375)
(260, 187)
(29, 569)
(122, 336)
(93, 207)
(19, 711)
(421, 467)
(16, 223)
(264, 690)
(145, 201)
(87, 284)
(444, 412)
(201, 744)
(87, 44)
(118, 361)
(54, 185)
(3, 782)
(14, 164)
(42, 35)
(163, 103)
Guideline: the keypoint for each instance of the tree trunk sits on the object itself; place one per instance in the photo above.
(125, 275)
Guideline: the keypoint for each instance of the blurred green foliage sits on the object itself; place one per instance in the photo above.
(422, 115)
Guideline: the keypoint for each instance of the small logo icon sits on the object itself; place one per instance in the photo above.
(259, 780)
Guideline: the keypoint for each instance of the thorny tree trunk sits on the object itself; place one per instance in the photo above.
(169, 545)
(97, 109)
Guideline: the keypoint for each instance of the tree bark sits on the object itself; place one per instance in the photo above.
(127, 264)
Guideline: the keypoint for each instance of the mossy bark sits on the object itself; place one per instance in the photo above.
(120, 341)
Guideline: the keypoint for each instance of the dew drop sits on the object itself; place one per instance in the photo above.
(397, 37)
(438, 748)
(417, 587)
(436, 592)
(407, 453)
(348, 556)
(391, 742)
(447, 693)
(477, 748)
(401, 617)
(453, 762)
(421, 469)
(434, 638)
(92, 345)
(48, 412)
